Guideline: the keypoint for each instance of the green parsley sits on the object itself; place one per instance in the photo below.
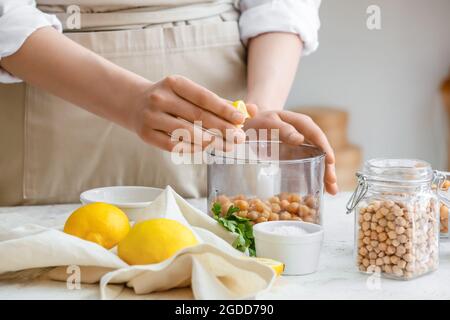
(237, 225)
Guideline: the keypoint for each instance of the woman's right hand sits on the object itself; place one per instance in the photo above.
(176, 103)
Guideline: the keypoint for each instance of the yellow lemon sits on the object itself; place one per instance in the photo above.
(98, 222)
(277, 266)
(155, 240)
(241, 107)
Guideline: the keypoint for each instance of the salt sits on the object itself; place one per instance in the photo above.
(289, 231)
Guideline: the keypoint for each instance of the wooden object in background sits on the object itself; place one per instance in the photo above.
(445, 90)
(334, 124)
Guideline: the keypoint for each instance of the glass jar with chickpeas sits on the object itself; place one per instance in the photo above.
(268, 181)
(397, 218)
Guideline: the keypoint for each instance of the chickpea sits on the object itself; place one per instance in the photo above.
(242, 214)
(310, 201)
(265, 214)
(365, 226)
(274, 217)
(392, 235)
(261, 219)
(376, 205)
(382, 236)
(373, 235)
(401, 222)
(367, 216)
(309, 219)
(293, 197)
(390, 250)
(382, 222)
(400, 230)
(389, 204)
(285, 215)
(401, 250)
(390, 216)
(387, 268)
(297, 218)
(274, 199)
(240, 197)
(284, 204)
(259, 206)
(303, 210)
(401, 264)
(379, 262)
(253, 215)
(394, 259)
(293, 207)
(275, 207)
(241, 204)
(366, 262)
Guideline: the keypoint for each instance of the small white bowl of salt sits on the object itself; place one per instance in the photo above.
(295, 243)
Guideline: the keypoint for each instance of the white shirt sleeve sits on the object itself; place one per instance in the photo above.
(294, 16)
(18, 20)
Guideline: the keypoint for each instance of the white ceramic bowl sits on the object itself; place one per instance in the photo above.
(299, 253)
(133, 200)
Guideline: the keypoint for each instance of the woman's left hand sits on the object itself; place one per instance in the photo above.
(294, 128)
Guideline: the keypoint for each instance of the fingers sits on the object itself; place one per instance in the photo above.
(179, 129)
(205, 99)
(310, 131)
(163, 141)
(315, 135)
(252, 109)
(184, 109)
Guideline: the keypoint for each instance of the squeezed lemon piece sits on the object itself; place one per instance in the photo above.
(277, 266)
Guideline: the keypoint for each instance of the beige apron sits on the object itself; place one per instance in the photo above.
(52, 150)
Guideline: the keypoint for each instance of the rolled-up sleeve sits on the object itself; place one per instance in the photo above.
(18, 20)
(294, 16)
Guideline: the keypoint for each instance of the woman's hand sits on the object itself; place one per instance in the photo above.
(295, 128)
(176, 103)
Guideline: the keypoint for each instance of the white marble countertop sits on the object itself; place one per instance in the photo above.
(336, 278)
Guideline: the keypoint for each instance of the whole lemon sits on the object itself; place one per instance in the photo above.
(98, 222)
(155, 240)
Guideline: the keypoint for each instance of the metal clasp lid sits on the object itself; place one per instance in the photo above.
(359, 193)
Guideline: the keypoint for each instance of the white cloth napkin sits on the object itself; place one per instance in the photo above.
(213, 268)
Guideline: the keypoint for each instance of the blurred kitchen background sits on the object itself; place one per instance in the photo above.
(387, 81)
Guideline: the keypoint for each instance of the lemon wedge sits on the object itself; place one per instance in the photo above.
(277, 266)
(241, 107)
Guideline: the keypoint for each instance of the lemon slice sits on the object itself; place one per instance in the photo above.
(241, 107)
(277, 266)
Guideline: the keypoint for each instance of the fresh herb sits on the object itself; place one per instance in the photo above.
(237, 225)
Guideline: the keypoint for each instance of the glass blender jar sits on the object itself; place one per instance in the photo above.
(268, 181)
